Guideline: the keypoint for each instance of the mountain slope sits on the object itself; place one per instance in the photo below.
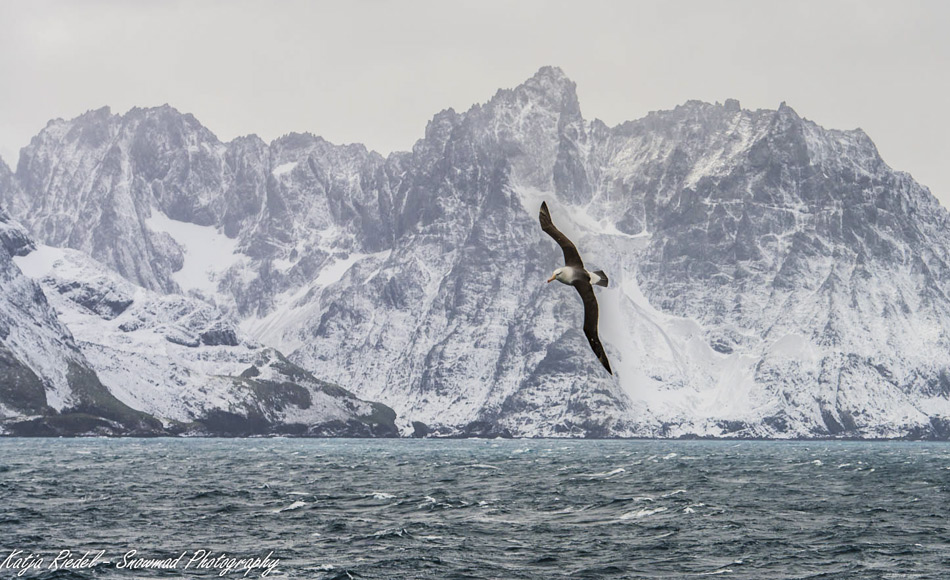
(47, 386)
(181, 360)
(84, 351)
(769, 277)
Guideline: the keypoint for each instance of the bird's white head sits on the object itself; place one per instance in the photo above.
(560, 275)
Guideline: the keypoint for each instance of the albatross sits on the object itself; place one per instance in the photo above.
(574, 274)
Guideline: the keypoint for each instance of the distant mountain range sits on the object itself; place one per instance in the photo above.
(769, 278)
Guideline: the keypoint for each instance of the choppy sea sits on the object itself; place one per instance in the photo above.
(472, 509)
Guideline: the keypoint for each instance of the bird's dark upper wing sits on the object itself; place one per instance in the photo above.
(591, 312)
(571, 257)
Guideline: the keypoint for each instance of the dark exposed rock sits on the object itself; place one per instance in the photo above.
(178, 337)
(97, 295)
(220, 337)
(419, 429)
(20, 388)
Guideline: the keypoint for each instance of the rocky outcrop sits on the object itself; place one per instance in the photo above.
(183, 363)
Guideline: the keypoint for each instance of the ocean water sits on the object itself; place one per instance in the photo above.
(472, 509)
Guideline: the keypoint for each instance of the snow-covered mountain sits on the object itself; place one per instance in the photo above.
(180, 359)
(47, 386)
(83, 350)
(769, 277)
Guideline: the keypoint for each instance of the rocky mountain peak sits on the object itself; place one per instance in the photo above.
(551, 82)
(768, 276)
(93, 116)
(549, 89)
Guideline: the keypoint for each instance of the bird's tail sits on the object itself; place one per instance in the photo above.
(599, 278)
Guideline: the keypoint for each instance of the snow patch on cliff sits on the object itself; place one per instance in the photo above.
(208, 253)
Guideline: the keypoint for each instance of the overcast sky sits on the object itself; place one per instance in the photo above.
(375, 72)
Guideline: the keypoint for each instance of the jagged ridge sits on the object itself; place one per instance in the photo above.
(770, 277)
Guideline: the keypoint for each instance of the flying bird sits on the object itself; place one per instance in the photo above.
(574, 274)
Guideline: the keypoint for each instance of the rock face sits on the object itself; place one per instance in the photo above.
(84, 351)
(769, 277)
(47, 386)
(181, 360)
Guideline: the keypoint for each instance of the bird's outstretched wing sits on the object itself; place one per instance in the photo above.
(591, 313)
(571, 257)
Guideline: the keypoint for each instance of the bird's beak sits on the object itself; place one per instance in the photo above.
(551, 279)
